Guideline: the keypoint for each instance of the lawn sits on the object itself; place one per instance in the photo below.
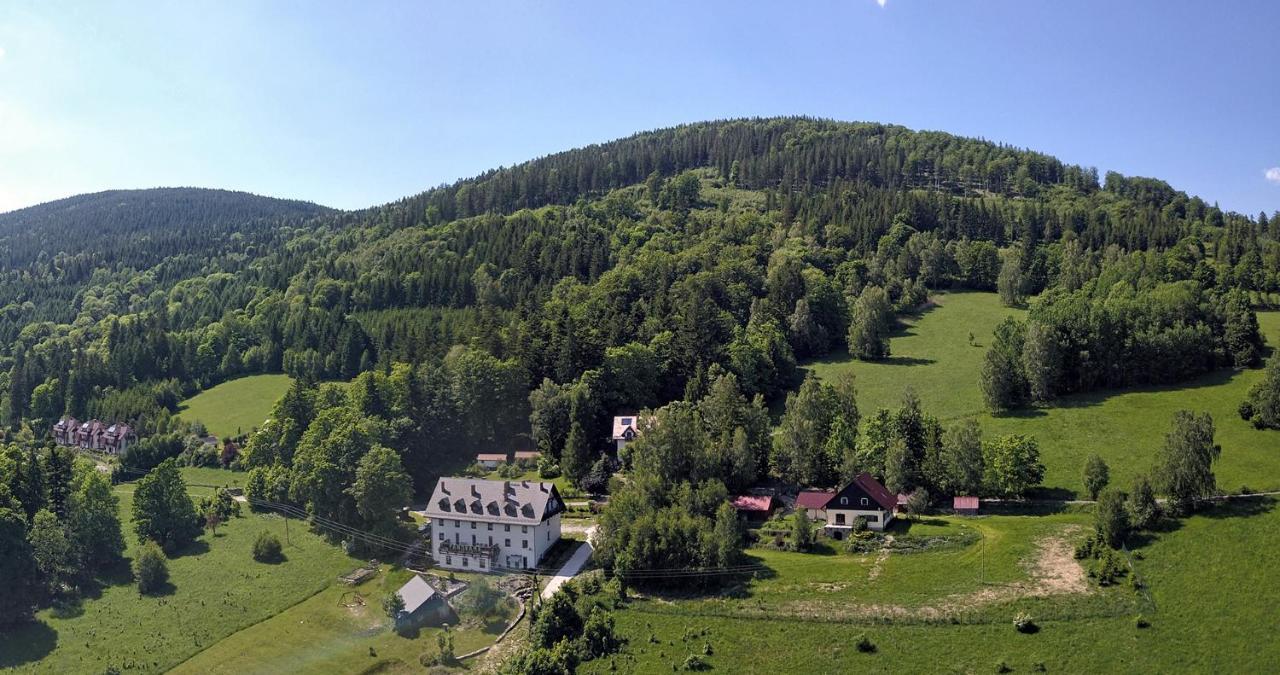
(321, 635)
(1211, 608)
(217, 589)
(236, 407)
(932, 355)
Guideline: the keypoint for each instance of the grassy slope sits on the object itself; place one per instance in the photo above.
(320, 635)
(1125, 427)
(238, 406)
(1208, 576)
(217, 590)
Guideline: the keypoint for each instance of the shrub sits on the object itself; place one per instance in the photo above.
(1110, 568)
(150, 568)
(267, 549)
(695, 662)
(1002, 666)
(1024, 623)
(864, 644)
(1246, 411)
(1141, 622)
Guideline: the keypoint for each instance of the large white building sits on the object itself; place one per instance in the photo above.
(483, 525)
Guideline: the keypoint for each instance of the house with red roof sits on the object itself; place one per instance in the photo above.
(863, 498)
(491, 460)
(754, 508)
(814, 503)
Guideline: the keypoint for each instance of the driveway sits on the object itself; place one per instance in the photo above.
(571, 566)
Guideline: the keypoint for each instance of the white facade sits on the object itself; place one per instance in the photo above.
(473, 541)
(842, 519)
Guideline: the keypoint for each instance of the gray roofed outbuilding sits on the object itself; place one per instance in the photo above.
(416, 593)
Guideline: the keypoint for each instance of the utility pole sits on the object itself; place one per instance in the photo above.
(286, 529)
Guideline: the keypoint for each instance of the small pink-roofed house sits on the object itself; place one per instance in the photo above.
(491, 460)
(756, 508)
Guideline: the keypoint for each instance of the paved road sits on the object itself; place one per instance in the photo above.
(571, 566)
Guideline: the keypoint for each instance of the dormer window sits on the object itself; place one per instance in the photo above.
(864, 501)
(626, 421)
(844, 501)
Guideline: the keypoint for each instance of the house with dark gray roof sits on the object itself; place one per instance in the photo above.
(422, 604)
(493, 525)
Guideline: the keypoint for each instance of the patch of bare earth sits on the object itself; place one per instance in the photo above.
(1053, 570)
(882, 556)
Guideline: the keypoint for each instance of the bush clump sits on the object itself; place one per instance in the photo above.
(864, 644)
(150, 568)
(267, 549)
(1024, 623)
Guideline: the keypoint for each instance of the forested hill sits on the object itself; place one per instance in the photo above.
(617, 276)
(51, 254)
(117, 224)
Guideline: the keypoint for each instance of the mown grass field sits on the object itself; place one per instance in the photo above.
(216, 589)
(933, 356)
(236, 407)
(1211, 608)
(321, 635)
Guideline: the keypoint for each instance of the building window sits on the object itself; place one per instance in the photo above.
(482, 563)
(448, 560)
(489, 526)
(473, 523)
(864, 501)
(524, 543)
(844, 501)
(524, 529)
(491, 540)
(457, 523)
(507, 543)
(506, 528)
(464, 563)
(442, 536)
(839, 519)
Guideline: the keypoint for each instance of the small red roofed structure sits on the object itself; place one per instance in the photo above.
(491, 460)
(967, 506)
(814, 503)
(754, 507)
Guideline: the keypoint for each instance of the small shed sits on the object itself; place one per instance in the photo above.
(754, 508)
(965, 506)
(423, 605)
(491, 460)
(528, 456)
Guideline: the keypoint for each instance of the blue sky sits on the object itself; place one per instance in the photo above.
(351, 108)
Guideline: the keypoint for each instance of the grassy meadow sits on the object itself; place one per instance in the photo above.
(322, 635)
(216, 589)
(1208, 598)
(1126, 427)
(236, 407)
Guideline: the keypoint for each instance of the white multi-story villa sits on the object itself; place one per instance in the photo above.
(483, 525)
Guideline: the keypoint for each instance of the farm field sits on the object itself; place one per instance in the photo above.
(217, 589)
(322, 635)
(806, 616)
(235, 407)
(932, 355)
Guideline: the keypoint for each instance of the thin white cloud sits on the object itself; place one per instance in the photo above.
(1, 52)
(881, 2)
(1273, 174)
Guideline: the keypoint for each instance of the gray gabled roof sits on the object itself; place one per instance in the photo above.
(499, 501)
(416, 593)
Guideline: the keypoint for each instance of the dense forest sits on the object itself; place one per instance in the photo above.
(528, 305)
